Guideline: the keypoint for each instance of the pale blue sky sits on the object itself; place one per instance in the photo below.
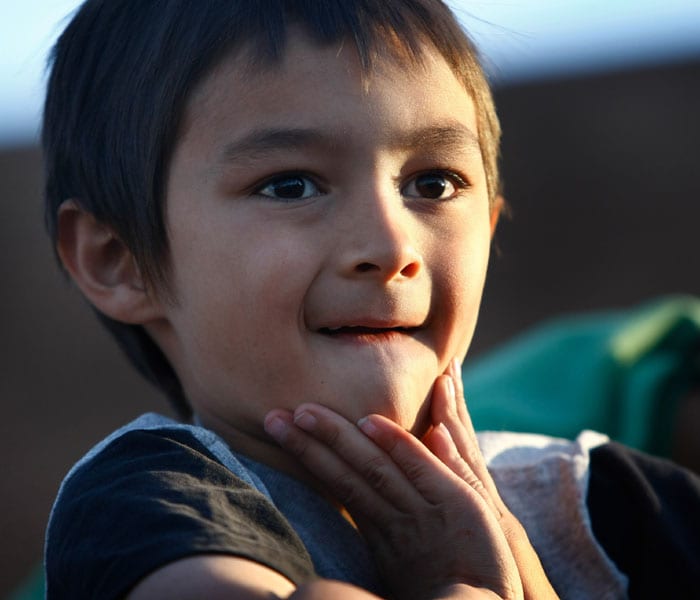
(520, 39)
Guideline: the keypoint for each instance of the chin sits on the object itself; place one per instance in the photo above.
(404, 402)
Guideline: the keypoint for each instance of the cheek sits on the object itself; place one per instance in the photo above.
(461, 282)
(240, 301)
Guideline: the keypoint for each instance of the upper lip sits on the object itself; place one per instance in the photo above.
(369, 324)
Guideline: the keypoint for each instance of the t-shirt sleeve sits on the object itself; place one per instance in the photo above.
(645, 512)
(150, 498)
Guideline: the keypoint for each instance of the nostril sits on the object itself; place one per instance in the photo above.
(365, 267)
(411, 269)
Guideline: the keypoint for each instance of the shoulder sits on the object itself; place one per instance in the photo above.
(148, 497)
(607, 503)
(645, 511)
(543, 482)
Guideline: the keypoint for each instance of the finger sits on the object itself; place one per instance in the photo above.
(432, 478)
(345, 485)
(450, 409)
(456, 417)
(329, 446)
(468, 434)
(350, 465)
(455, 369)
(445, 408)
(440, 442)
(534, 580)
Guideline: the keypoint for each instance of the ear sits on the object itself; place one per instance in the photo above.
(103, 267)
(496, 210)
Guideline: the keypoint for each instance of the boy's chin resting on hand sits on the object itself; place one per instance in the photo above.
(428, 508)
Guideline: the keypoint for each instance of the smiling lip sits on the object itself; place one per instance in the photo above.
(367, 334)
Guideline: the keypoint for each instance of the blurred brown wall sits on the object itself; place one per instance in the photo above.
(62, 383)
(603, 176)
(601, 172)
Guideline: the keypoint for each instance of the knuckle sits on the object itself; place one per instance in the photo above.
(345, 490)
(475, 483)
(417, 472)
(297, 445)
(512, 528)
(375, 473)
(478, 486)
(329, 434)
(328, 430)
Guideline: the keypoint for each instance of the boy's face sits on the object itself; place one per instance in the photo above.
(329, 237)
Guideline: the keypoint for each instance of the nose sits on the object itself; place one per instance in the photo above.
(382, 237)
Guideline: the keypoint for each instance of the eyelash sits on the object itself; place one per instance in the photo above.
(282, 177)
(458, 182)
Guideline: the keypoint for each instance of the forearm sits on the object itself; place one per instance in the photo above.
(324, 589)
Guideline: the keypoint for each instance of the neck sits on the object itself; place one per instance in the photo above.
(267, 452)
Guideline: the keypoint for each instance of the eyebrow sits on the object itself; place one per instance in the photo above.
(452, 136)
(262, 142)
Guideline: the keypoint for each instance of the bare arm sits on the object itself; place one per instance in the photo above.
(228, 577)
(213, 577)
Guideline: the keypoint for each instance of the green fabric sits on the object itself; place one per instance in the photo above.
(32, 588)
(618, 372)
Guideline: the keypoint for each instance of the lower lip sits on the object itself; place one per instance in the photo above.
(367, 337)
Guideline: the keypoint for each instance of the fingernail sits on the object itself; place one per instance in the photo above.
(305, 421)
(444, 430)
(458, 370)
(276, 428)
(367, 427)
(451, 392)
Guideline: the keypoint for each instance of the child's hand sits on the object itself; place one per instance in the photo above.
(464, 458)
(434, 534)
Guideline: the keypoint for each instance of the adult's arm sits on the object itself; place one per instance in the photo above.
(645, 512)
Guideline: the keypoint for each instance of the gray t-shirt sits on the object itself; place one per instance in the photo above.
(156, 491)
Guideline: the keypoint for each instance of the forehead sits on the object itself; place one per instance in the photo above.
(316, 86)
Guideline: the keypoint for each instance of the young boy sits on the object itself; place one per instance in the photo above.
(283, 212)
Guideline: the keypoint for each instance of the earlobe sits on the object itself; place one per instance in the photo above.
(496, 210)
(103, 267)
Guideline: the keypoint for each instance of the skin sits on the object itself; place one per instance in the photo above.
(329, 240)
(258, 279)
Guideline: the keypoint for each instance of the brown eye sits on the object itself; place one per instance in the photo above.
(433, 186)
(289, 187)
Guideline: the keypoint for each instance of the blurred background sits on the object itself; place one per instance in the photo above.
(599, 104)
